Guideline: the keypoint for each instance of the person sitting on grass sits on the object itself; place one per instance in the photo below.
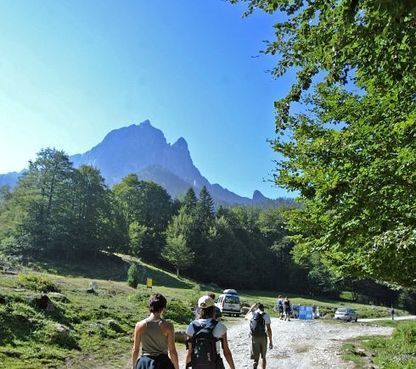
(156, 338)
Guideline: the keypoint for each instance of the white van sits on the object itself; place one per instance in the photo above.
(229, 302)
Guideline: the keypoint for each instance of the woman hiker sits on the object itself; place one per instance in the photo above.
(156, 338)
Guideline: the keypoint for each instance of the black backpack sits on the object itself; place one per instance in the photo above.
(257, 325)
(204, 346)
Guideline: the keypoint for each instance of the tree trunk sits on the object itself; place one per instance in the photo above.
(177, 272)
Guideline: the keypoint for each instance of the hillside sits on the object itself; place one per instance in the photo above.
(93, 330)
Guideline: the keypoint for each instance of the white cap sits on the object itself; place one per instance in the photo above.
(205, 302)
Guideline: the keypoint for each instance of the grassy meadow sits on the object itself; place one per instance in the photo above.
(84, 329)
(395, 352)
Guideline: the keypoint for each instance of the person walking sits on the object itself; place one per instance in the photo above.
(279, 306)
(260, 330)
(392, 312)
(287, 308)
(206, 337)
(156, 337)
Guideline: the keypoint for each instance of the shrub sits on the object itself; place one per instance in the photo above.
(133, 276)
(37, 282)
(179, 312)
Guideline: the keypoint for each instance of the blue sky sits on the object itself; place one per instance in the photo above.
(71, 71)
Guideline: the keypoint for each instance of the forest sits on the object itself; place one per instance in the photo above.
(61, 213)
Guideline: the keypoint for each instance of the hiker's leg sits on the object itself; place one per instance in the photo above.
(255, 352)
(263, 352)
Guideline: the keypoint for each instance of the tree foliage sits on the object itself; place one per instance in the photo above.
(61, 212)
(347, 131)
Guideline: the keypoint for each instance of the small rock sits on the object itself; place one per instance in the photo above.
(42, 302)
(62, 330)
(10, 271)
(244, 310)
(360, 352)
(180, 336)
(58, 296)
(115, 326)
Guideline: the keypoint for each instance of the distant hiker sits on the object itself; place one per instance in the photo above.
(156, 337)
(259, 325)
(392, 313)
(287, 308)
(217, 310)
(279, 306)
(206, 336)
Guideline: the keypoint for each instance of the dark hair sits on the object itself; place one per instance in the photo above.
(212, 295)
(157, 303)
(260, 306)
(206, 313)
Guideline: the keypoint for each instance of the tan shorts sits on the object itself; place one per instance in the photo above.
(258, 347)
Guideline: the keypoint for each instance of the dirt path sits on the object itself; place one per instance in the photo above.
(301, 344)
(297, 345)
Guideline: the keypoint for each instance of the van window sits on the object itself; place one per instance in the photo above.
(232, 300)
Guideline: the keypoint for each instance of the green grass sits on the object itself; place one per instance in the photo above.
(28, 335)
(395, 352)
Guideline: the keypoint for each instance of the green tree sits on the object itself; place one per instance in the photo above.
(147, 209)
(205, 205)
(177, 253)
(351, 151)
(190, 200)
(179, 233)
(133, 275)
(42, 196)
(89, 206)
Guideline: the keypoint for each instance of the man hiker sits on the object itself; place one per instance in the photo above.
(287, 307)
(279, 306)
(392, 312)
(206, 337)
(259, 325)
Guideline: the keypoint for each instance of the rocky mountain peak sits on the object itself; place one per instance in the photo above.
(181, 144)
(259, 197)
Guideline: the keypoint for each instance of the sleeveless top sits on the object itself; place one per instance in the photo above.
(154, 342)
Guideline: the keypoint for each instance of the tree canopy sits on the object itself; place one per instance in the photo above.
(347, 131)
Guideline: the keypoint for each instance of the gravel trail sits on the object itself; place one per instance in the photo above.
(301, 344)
(297, 345)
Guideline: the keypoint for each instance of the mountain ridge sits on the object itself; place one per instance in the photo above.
(144, 150)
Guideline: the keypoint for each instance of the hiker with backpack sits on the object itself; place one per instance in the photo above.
(279, 306)
(287, 306)
(206, 337)
(156, 337)
(260, 330)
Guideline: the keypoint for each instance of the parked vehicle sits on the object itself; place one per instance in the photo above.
(229, 302)
(346, 313)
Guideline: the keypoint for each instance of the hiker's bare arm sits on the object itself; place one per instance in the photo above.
(269, 334)
(173, 354)
(227, 353)
(138, 330)
(188, 352)
(248, 315)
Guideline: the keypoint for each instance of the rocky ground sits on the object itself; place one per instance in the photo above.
(301, 344)
(297, 344)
